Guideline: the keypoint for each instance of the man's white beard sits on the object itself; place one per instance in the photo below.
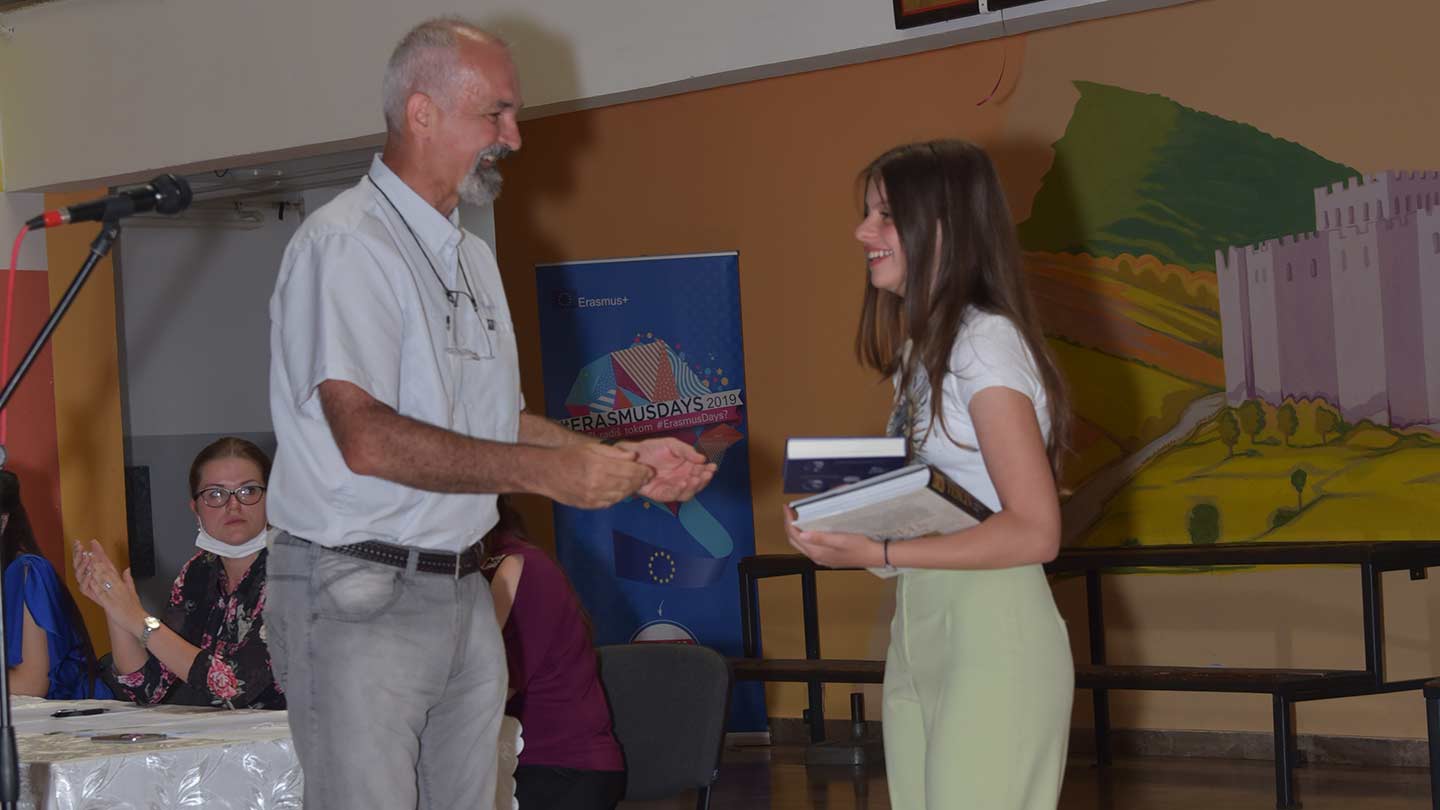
(482, 185)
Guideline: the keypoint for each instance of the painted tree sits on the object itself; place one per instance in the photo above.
(1252, 418)
(1173, 287)
(1204, 524)
(1326, 422)
(1287, 421)
(1229, 430)
(1297, 480)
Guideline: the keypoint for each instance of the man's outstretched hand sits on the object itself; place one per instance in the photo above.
(680, 470)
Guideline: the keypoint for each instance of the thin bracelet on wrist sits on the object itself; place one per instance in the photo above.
(885, 550)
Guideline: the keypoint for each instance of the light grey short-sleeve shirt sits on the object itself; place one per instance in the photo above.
(357, 301)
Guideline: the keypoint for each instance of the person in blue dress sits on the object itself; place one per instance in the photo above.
(47, 651)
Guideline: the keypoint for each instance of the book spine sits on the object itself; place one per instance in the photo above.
(941, 484)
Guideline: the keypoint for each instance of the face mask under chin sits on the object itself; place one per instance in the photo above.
(207, 542)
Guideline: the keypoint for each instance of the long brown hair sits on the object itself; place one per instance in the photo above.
(17, 538)
(946, 194)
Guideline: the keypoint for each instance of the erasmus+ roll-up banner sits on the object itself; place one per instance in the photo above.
(639, 348)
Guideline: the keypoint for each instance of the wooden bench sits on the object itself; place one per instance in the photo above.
(812, 669)
(787, 670)
(1432, 728)
(1286, 686)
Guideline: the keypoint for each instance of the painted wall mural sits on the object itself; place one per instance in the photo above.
(1251, 331)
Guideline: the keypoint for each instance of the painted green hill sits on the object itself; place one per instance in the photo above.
(1138, 173)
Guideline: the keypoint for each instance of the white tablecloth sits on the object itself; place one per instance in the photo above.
(214, 759)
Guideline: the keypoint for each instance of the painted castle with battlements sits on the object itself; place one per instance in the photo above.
(1349, 312)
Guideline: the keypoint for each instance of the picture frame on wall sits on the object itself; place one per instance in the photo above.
(914, 13)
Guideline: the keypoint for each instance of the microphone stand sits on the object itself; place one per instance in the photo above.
(9, 754)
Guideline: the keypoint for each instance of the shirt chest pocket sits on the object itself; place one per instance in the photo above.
(471, 334)
(489, 335)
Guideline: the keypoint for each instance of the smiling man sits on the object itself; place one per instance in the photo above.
(395, 394)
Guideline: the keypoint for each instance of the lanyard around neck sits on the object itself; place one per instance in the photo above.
(453, 296)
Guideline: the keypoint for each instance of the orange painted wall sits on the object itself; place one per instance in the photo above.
(87, 404)
(30, 442)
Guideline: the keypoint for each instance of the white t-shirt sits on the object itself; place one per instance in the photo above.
(357, 301)
(988, 352)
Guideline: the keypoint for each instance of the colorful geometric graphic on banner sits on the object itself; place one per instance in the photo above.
(640, 348)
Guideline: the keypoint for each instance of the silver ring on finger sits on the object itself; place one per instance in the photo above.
(107, 585)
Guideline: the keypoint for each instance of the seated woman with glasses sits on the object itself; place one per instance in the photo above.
(47, 650)
(210, 648)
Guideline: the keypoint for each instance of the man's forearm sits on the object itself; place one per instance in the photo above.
(540, 431)
(426, 457)
(583, 473)
(375, 440)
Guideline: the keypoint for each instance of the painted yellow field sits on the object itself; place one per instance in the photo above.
(1127, 402)
(1352, 491)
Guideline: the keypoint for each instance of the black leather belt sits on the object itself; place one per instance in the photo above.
(431, 562)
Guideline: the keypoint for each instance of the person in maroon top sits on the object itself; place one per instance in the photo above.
(569, 759)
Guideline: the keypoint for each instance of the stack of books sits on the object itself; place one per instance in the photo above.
(900, 502)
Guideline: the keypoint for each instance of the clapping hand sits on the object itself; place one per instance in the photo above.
(110, 589)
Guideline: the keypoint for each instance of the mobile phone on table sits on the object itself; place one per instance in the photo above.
(78, 712)
(130, 737)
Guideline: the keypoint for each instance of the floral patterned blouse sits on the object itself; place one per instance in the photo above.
(233, 667)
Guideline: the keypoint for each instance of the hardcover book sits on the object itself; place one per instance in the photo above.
(914, 501)
(815, 465)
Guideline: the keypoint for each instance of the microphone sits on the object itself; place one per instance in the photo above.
(166, 194)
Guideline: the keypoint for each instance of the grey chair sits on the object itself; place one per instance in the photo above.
(669, 703)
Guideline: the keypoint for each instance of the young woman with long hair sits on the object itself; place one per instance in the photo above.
(978, 677)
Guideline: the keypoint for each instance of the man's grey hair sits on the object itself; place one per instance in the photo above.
(425, 62)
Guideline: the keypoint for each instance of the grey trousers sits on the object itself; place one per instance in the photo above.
(395, 680)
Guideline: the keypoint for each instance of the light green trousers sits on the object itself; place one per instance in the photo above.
(978, 686)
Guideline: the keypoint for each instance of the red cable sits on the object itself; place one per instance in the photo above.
(9, 314)
(1004, 58)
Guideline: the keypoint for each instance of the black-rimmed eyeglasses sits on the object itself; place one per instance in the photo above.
(217, 497)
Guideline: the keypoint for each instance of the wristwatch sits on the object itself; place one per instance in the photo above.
(151, 625)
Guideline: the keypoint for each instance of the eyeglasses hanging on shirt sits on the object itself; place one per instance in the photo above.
(470, 334)
(470, 337)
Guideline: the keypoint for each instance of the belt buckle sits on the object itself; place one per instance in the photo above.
(457, 567)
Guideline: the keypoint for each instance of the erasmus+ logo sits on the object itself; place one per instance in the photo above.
(569, 299)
